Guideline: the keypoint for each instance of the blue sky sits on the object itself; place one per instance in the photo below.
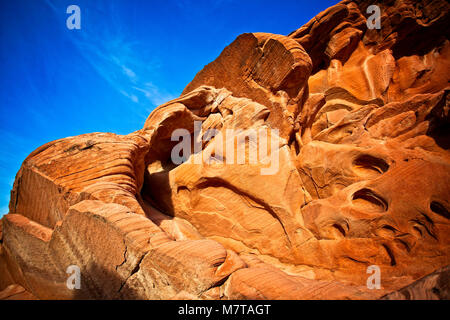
(129, 57)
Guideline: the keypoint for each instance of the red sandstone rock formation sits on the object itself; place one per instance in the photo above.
(361, 120)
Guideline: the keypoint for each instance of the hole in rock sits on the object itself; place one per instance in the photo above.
(339, 230)
(439, 208)
(369, 166)
(418, 231)
(439, 123)
(368, 200)
(387, 231)
(390, 254)
(156, 189)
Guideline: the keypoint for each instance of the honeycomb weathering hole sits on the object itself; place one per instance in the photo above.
(439, 208)
(370, 166)
(368, 200)
(390, 254)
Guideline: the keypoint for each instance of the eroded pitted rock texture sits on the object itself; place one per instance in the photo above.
(360, 119)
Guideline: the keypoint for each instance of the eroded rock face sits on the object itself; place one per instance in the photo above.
(355, 172)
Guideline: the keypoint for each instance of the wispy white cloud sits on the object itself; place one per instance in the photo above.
(129, 73)
(118, 59)
(132, 97)
(154, 94)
